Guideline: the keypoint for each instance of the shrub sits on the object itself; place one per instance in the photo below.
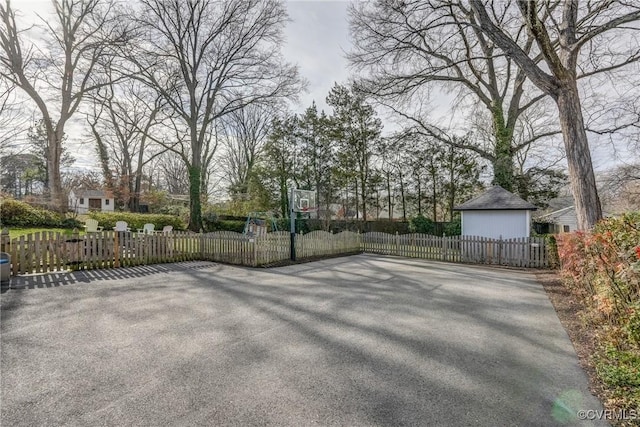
(19, 214)
(71, 223)
(209, 220)
(421, 224)
(602, 268)
(181, 212)
(226, 225)
(454, 228)
(136, 220)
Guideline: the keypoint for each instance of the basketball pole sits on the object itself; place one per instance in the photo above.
(293, 225)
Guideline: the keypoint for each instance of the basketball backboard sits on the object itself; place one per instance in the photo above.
(304, 201)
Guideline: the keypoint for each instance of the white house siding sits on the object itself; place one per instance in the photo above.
(567, 218)
(109, 207)
(496, 224)
(83, 208)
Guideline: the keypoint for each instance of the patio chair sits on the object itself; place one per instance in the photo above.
(167, 229)
(121, 226)
(146, 229)
(91, 226)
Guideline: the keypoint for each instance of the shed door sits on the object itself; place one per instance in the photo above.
(95, 204)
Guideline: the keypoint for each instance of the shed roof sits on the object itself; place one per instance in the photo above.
(496, 198)
(555, 215)
(93, 194)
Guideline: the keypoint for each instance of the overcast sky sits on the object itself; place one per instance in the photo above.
(316, 40)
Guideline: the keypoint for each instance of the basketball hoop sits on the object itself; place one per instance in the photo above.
(304, 201)
(307, 209)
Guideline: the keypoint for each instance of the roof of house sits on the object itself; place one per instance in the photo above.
(553, 216)
(93, 194)
(496, 198)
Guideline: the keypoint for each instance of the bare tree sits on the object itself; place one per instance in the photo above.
(243, 134)
(413, 48)
(122, 120)
(565, 33)
(57, 80)
(207, 59)
(12, 122)
(620, 187)
(175, 177)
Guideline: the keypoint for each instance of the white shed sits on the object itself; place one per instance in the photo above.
(83, 201)
(496, 214)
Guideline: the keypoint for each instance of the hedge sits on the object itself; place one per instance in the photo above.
(306, 225)
(136, 220)
(602, 269)
(15, 213)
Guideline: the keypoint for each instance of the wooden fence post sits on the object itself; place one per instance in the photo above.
(397, 244)
(255, 251)
(5, 241)
(116, 250)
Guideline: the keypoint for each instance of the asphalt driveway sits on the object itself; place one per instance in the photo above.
(355, 341)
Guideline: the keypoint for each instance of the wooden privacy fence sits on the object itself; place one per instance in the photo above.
(48, 251)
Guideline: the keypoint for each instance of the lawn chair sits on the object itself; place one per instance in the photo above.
(121, 226)
(146, 229)
(167, 229)
(91, 226)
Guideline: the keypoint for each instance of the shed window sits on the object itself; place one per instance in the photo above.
(82, 200)
(566, 228)
(106, 202)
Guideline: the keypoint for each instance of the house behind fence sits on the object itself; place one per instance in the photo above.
(48, 251)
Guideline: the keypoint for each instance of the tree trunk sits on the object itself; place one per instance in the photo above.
(284, 199)
(195, 209)
(389, 196)
(503, 163)
(404, 202)
(363, 192)
(583, 186)
(356, 201)
(419, 198)
(434, 201)
(452, 184)
(58, 199)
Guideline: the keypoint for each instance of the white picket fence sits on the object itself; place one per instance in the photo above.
(48, 251)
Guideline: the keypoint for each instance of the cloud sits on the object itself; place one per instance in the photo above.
(316, 39)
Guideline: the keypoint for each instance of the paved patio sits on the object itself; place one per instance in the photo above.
(358, 341)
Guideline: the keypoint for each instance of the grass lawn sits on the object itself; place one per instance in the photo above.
(17, 232)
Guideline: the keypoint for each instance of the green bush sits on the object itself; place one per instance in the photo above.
(19, 214)
(181, 212)
(602, 269)
(421, 224)
(619, 368)
(453, 228)
(226, 225)
(71, 223)
(137, 220)
(209, 220)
